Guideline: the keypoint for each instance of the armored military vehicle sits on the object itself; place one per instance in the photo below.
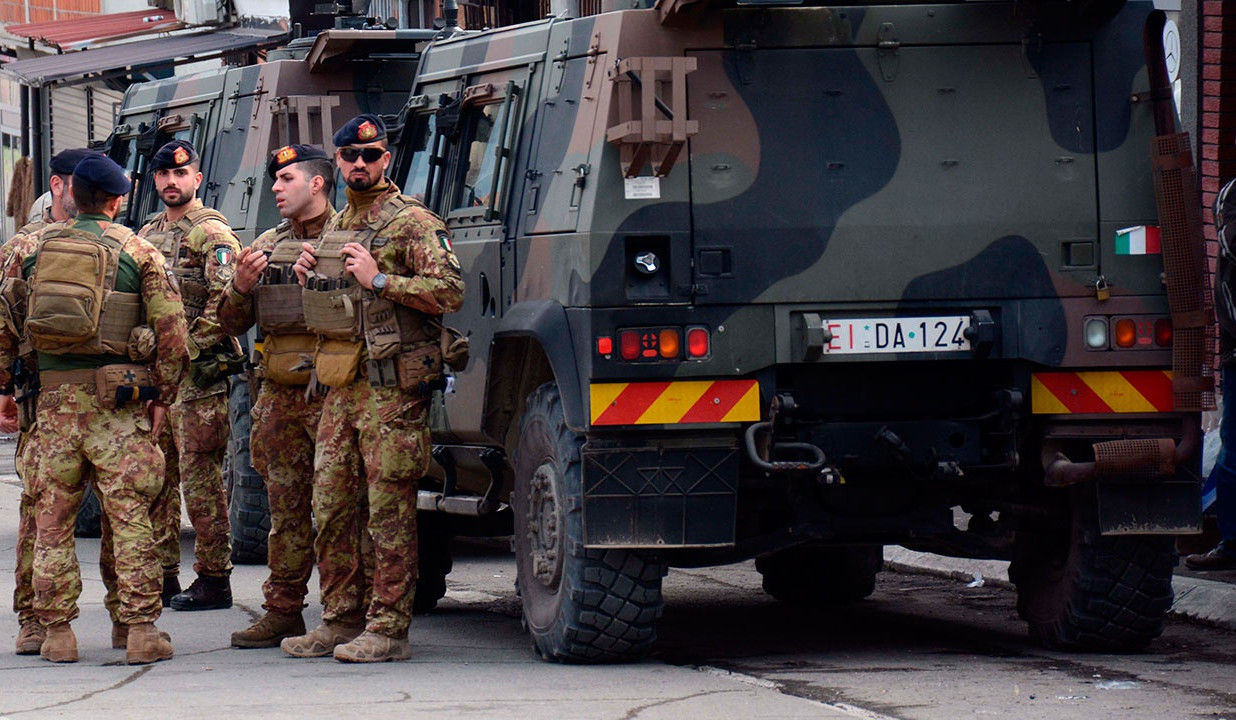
(795, 281)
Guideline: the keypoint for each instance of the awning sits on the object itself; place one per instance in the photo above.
(64, 34)
(87, 65)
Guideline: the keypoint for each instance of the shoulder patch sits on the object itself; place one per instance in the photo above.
(444, 239)
(223, 254)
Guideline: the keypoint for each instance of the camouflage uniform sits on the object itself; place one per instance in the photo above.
(196, 439)
(385, 429)
(285, 422)
(72, 431)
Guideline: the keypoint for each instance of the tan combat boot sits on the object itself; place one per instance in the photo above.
(60, 645)
(320, 641)
(146, 644)
(372, 647)
(268, 631)
(30, 638)
(120, 635)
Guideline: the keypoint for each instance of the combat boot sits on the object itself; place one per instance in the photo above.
(30, 638)
(320, 641)
(120, 636)
(371, 647)
(270, 630)
(60, 645)
(171, 588)
(206, 593)
(146, 644)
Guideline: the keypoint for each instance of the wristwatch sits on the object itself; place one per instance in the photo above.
(379, 282)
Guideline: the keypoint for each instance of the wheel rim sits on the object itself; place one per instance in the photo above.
(543, 527)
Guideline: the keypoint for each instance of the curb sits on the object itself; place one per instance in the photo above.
(1206, 602)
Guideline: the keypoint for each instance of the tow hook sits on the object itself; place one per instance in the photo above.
(782, 407)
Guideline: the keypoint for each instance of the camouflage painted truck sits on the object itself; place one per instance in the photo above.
(236, 116)
(793, 282)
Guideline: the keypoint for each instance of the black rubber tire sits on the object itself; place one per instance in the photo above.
(433, 541)
(808, 575)
(248, 507)
(1094, 593)
(89, 515)
(586, 606)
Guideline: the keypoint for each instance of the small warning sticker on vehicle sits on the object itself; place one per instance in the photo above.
(642, 188)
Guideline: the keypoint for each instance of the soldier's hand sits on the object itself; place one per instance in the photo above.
(158, 416)
(249, 266)
(360, 263)
(305, 262)
(8, 414)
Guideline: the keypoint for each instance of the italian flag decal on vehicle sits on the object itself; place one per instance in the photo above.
(1140, 240)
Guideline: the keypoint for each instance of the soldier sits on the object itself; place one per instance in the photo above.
(199, 247)
(392, 258)
(95, 407)
(285, 415)
(30, 635)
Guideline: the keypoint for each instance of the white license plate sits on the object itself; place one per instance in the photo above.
(898, 335)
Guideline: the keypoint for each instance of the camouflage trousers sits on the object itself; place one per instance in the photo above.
(281, 447)
(194, 447)
(71, 433)
(386, 431)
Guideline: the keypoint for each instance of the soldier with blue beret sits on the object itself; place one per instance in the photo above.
(199, 247)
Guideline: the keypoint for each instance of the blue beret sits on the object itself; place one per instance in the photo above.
(102, 173)
(63, 162)
(360, 130)
(177, 153)
(292, 154)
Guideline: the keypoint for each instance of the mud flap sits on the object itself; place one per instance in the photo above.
(1143, 508)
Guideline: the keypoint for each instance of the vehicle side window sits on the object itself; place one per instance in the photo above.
(480, 157)
(418, 141)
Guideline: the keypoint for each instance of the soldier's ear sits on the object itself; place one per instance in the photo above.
(316, 183)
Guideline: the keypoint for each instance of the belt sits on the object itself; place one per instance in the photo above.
(52, 378)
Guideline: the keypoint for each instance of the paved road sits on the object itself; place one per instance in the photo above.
(922, 648)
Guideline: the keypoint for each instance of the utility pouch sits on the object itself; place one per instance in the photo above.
(336, 361)
(381, 328)
(143, 345)
(420, 370)
(456, 348)
(284, 358)
(279, 308)
(193, 291)
(13, 295)
(334, 313)
(66, 297)
(117, 385)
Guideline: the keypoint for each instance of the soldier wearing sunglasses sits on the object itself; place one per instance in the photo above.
(391, 258)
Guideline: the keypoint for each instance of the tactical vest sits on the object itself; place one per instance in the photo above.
(73, 306)
(338, 308)
(191, 281)
(280, 315)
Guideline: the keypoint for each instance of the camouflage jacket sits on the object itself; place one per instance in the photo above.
(414, 250)
(164, 312)
(23, 242)
(237, 312)
(210, 245)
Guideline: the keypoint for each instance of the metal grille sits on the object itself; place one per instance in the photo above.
(1184, 259)
(1148, 458)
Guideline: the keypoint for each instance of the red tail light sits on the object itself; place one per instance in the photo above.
(1163, 332)
(628, 344)
(697, 342)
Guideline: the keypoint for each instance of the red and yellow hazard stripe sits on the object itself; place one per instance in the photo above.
(1101, 391)
(675, 402)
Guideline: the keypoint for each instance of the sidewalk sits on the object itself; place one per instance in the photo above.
(1208, 598)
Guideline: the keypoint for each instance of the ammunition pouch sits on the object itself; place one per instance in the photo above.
(284, 358)
(118, 385)
(337, 361)
(194, 292)
(215, 364)
(191, 281)
(279, 308)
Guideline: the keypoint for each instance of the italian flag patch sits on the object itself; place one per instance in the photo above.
(1140, 240)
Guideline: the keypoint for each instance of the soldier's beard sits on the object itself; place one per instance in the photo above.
(178, 200)
(361, 184)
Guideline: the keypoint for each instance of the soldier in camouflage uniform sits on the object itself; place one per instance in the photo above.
(81, 420)
(199, 247)
(380, 371)
(285, 415)
(62, 208)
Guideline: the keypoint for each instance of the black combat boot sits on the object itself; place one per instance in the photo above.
(171, 588)
(206, 593)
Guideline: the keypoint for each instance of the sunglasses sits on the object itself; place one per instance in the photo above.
(371, 154)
